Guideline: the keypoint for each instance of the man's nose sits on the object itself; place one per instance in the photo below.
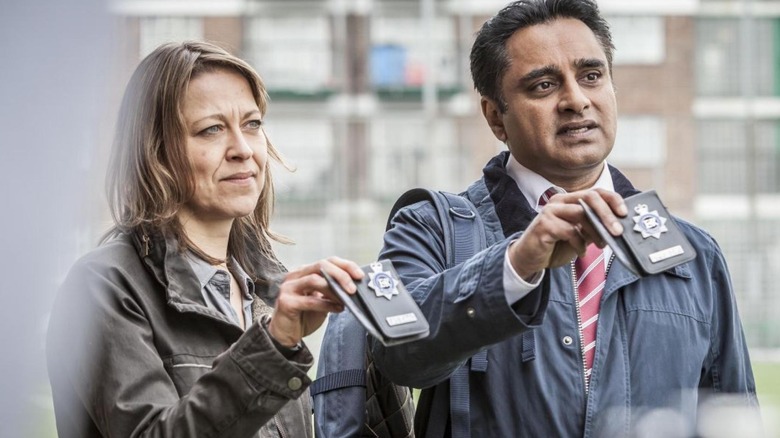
(573, 98)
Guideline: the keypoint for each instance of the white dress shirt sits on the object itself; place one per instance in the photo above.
(532, 186)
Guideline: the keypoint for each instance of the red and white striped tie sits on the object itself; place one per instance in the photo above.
(591, 276)
(545, 198)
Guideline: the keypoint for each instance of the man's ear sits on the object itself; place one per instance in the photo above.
(493, 116)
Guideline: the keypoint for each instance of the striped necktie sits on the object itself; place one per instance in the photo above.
(590, 277)
(545, 198)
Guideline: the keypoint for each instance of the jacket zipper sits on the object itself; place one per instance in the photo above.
(145, 239)
(579, 322)
(579, 316)
(280, 426)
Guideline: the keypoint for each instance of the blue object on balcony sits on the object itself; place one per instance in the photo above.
(388, 64)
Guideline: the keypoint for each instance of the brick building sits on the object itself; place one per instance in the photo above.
(371, 97)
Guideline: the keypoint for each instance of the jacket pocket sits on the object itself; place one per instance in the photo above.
(186, 369)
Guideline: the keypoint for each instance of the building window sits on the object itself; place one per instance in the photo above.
(737, 58)
(753, 254)
(409, 151)
(638, 40)
(402, 46)
(640, 142)
(725, 152)
(293, 54)
(310, 152)
(158, 30)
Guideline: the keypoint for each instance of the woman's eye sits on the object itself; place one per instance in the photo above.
(211, 130)
(254, 124)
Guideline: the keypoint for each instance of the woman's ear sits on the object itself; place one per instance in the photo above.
(494, 118)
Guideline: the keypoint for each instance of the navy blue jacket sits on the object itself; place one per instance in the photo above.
(664, 341)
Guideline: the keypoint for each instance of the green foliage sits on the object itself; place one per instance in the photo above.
(767, 380)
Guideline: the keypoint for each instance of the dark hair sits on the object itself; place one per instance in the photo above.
(489, 59)
(150, 176)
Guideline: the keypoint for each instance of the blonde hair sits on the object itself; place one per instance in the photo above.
(150, 176)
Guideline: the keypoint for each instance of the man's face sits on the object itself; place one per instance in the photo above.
(560, 116)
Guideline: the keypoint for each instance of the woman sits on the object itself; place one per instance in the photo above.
(165, 329)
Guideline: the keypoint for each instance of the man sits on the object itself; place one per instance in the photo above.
(576, 345)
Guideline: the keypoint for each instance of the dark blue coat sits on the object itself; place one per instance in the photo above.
(664, 342)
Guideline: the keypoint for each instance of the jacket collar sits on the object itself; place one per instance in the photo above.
(160, 253)
(515, 214)
(512, 208)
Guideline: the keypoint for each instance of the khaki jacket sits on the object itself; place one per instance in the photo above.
(134, 351)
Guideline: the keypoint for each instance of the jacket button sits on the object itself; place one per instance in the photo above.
(567, 340)
(294, 383)
(471, 312)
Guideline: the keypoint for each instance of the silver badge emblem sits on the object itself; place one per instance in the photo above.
(649, 223)
(382, 282)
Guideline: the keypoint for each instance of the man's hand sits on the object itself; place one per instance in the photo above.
(305, 298)
(561, 231)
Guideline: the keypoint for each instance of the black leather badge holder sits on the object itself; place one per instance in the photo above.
(651, 241)
(383, 305)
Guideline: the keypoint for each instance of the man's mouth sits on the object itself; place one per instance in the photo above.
(577, 128)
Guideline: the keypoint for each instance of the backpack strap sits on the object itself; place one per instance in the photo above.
(413, 196)
(338, 380)
(464, 235)
(462, 228)
(466, 229)
(467, 238)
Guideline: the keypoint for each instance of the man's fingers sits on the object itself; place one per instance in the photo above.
(547, 233)
(607, 206)
(615, 201)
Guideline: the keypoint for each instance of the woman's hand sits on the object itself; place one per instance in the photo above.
(305, 299)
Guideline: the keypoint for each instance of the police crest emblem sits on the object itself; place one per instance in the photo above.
(382, 282)
(649, 223)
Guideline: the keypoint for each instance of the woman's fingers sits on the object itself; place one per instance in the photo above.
(305, 297)
(295, 304)
(344, 272)
(308, 280)
(301, 307)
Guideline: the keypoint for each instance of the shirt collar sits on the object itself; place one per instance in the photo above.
(532, 185)
(244, 278)
(205, 271)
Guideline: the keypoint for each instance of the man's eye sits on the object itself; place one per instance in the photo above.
(593, 76)
(544, 85)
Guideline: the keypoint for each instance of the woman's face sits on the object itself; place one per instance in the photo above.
(226, 145)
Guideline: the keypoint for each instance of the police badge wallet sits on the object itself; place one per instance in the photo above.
(651, 242)
(383, 305)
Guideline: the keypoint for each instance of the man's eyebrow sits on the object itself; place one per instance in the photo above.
(589, 63)
(547, 70)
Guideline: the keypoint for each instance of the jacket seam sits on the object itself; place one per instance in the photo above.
(671, 312)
